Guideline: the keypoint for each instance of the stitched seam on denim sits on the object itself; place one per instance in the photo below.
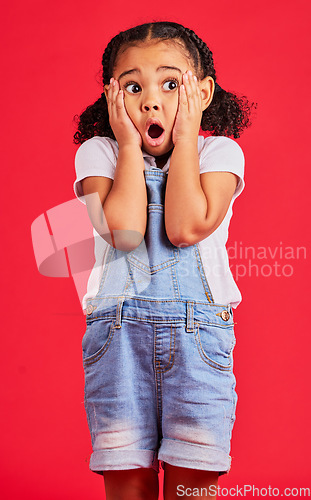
(206, 287)
(209, 323)
(175, 282)
(164, 320)
(118, 319)
(205, 358)
(234, 403)
(190, 320)
(107, 262)
(223, 327)
(207, 290)
(157, 210)
(174, 347)
(90, 318)
(95, 318)
(157, 361)
(158, 383)
(152, 300)
(152, 269)
(155, 207)
(105, 267)
(154, 173)
(160, 398)
(129, 279)
(134, 318)
(90, 360)
(170, 363)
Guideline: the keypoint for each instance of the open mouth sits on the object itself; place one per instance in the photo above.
(155, 131)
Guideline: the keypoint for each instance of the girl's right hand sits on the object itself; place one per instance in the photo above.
(122, 126)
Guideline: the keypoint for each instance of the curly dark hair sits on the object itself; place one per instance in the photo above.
(227, 114)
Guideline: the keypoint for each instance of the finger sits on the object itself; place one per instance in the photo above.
(106, 90)
(114, 91)
(197, 88)
(120, 103)
(111, 97)
(117, 100)
(121, 112)
(192, 93)
(183, 101)
(198, 98)
(187, 90)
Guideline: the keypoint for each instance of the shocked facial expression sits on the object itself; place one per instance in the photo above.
(150, 76)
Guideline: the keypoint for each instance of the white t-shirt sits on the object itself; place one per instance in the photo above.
(98, 157)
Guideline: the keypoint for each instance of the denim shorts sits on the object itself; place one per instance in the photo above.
(159, 384)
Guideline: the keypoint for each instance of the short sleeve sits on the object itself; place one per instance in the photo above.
(95, 157)
(222, 154)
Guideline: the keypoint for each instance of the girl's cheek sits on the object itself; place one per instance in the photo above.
(176, 103)
(129, 108)
(127, 99)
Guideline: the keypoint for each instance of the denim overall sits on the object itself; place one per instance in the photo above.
(157, 355)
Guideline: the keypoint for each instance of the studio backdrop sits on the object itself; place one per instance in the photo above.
(51, 67)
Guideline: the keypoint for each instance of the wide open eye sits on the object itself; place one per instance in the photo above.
(170, 84)
(132, 88)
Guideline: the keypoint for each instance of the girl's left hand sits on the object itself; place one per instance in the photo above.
(189, 113)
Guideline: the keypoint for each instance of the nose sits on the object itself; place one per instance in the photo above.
(150, 105)
(150, 101)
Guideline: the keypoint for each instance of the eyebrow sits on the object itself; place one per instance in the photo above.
(136, 70)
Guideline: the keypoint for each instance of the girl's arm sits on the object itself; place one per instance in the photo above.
(119, 212)
(195, 204)
(125, 200)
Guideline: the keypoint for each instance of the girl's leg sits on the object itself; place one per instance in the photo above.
(133, 484)
(189, 483)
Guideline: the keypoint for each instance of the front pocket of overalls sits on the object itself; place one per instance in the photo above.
(215, 344)
(96, 340)
(155, 252)
(142, 263)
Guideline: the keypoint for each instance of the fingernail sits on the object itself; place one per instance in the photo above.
(195, 78)
(190, 72)
(111, 79)
(186, 76)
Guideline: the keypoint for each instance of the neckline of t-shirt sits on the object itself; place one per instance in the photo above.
(201, 139)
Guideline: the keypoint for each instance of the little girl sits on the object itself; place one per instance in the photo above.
(157, 351)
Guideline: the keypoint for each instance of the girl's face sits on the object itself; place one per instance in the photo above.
(150, 76)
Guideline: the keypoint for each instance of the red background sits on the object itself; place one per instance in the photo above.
(51, 69)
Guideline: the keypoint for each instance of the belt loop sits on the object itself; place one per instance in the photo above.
(190, 322)
(118, 322)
